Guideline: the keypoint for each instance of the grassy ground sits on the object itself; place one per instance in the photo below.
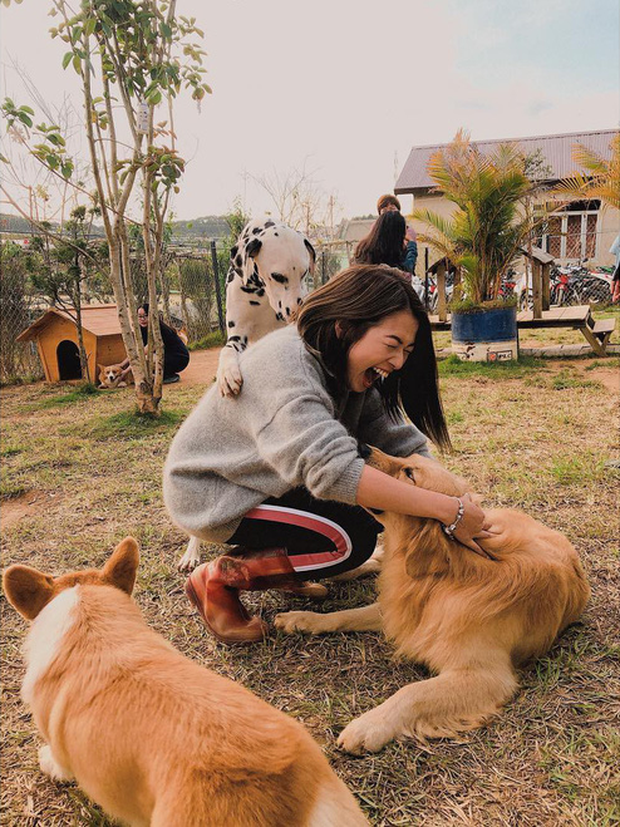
(80, 472)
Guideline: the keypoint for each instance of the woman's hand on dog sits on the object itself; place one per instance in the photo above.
(473, 526)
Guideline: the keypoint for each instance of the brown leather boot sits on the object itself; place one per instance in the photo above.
(212, 588)
(268, 568)
(275, 573)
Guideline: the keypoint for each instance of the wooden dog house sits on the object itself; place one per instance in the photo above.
(55, 333)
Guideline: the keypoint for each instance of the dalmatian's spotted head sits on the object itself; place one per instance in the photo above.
(274, 260)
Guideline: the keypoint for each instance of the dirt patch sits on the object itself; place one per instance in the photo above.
(26, 505)
(608, 377)
(201, 369)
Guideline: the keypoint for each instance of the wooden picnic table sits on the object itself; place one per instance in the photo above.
(596, 333)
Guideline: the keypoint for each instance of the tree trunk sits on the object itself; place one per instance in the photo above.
(80, 334)
(147, 403)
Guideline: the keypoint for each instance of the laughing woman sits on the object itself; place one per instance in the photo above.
(276, 472)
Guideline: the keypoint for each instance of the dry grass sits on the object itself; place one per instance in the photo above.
(92, 474)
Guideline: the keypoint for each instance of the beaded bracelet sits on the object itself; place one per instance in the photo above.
(450, 529)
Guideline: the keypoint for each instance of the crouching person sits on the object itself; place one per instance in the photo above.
(276, 472)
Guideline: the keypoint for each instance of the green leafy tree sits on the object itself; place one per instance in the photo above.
(130, 57)
(490, 222)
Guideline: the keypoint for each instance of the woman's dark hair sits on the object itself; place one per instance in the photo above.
(338, 314)
(384, 244)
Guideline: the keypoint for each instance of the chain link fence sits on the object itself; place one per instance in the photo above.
(331, 257)
(193, 296)
(19, 306)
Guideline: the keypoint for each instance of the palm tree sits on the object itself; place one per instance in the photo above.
(490, 223)
(599, 180)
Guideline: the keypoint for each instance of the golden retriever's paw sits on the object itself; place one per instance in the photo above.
(50, 767)
(290, 622)
(368, 733)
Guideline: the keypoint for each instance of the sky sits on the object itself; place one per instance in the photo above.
(344, 89)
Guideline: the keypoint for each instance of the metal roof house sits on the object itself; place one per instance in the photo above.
(55, 333)
(576, 232)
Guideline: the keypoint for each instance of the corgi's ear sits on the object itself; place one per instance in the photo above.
(121, 568)
(100, 368)
(27, 590)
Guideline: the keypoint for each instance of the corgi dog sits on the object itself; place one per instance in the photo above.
(110, 377)
(152, 737)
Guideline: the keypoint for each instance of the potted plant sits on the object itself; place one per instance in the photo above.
(482, 239)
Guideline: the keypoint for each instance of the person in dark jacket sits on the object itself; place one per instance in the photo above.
(176, 354)
(389, 242)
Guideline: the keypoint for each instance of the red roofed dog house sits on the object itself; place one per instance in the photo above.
(55, 333)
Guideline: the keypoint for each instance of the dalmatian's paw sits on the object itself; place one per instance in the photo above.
(229, 379)
(191, 558)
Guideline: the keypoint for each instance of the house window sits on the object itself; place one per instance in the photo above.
(570, 232)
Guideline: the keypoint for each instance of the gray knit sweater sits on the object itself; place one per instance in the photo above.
(281, 432)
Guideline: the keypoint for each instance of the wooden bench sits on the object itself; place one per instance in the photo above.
(596, 333)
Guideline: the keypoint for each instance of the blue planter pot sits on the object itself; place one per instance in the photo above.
(487, 336)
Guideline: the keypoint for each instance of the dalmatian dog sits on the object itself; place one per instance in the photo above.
(266, 282)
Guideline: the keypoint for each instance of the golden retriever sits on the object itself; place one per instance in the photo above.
(151, 736)
(470, 619)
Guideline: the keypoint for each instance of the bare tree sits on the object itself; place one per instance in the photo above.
(298, 200)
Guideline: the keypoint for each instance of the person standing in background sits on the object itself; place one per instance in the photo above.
(390, 203)
(387, 243)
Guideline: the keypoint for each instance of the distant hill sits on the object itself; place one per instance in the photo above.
(17, 224)
(206, 227)
(22, 226)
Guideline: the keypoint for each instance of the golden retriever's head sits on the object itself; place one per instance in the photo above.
(426, 544)
(29, 590)
(418, 470)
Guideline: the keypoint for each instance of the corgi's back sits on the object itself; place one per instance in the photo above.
(150, 735)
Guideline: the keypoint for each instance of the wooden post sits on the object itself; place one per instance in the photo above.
(442, 311)
(218, 292)
(546, 289)
(537, 296)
